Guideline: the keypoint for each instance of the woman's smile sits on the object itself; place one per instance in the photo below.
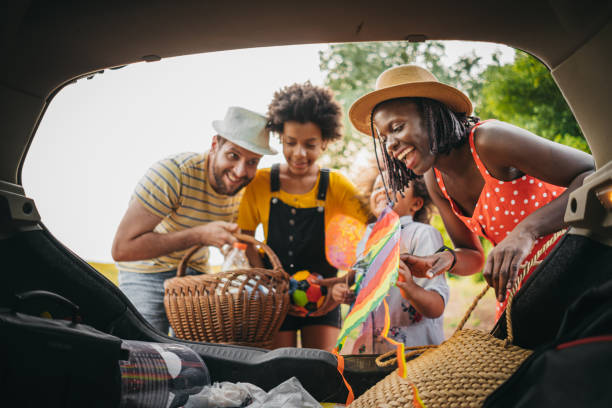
(409, 157)
(403, 153)
(400, 124)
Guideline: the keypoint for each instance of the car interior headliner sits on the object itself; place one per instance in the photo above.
(48, 44)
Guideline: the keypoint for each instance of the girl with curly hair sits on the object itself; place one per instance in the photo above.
(294, 201)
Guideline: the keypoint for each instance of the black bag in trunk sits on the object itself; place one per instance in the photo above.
(55, 362)
(575, 369)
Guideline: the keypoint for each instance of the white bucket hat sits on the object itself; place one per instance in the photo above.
(246, 129)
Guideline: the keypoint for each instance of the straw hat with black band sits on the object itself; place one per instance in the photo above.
(406, 81)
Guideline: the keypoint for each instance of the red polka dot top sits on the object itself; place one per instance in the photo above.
(503, 204)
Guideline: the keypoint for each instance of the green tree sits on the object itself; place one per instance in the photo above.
(525, 94)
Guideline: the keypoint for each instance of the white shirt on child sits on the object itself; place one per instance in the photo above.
(407, 325)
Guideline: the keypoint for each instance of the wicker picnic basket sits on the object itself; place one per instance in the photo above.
(460, 372)
(241, 307)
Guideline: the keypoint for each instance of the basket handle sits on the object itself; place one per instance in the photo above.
(276, 264)
(524, 268)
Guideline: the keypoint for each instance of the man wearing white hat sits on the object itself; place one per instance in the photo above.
(185, 200)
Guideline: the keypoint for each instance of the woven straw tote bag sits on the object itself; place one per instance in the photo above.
(242, 307)
(460, 372)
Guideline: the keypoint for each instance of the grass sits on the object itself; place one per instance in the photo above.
(107, 269)
(463, 291)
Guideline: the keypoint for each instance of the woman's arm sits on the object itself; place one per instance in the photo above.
(469, 252)
(508, 151)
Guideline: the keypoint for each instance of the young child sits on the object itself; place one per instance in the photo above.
(416, 305)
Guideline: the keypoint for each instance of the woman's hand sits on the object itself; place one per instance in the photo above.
(504, 261)
(342, 294)
(428, 266)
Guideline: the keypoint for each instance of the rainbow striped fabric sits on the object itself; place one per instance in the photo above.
(381, 254)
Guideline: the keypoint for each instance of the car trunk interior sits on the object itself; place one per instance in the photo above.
(47, 45)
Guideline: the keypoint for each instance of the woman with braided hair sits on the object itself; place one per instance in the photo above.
(488, 179)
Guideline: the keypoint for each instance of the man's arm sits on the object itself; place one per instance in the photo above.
(135, 239)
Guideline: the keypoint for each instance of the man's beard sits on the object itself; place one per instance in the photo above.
(220, 187)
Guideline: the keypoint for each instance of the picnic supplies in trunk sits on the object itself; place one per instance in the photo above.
(48, 358)
(577, 264)
(160, 375)
(574, 369)
(462, 371)
(241, 307)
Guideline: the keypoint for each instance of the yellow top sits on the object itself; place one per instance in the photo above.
(255, 206)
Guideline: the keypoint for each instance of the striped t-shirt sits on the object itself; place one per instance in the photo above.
(177, 190)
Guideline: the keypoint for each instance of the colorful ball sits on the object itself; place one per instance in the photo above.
(305, 293)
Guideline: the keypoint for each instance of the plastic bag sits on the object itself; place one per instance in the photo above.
(289, 394)
(224, 395)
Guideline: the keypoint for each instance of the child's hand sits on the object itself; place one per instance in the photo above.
(341, 293)
(405, 275)
(404, 280)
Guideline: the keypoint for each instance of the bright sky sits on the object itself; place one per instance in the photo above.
(99, 136)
